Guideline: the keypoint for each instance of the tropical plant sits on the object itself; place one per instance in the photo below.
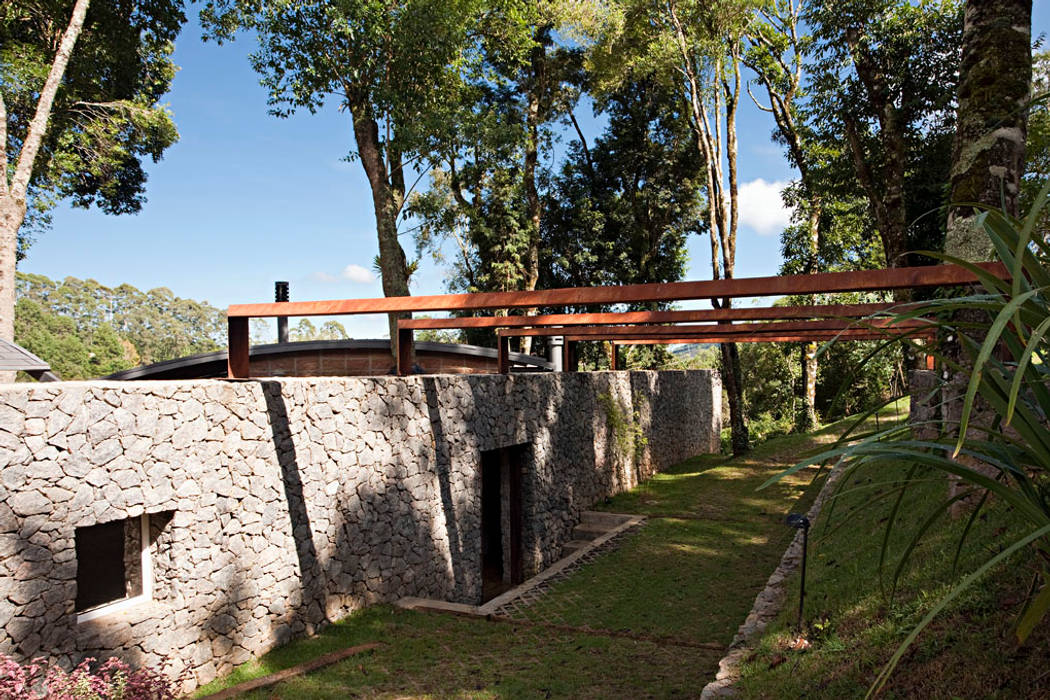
(1001, 452)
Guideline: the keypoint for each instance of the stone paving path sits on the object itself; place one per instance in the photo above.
(524, 606)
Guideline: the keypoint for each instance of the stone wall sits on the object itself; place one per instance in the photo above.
(278, 505)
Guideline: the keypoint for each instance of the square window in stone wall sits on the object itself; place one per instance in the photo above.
(115, 565)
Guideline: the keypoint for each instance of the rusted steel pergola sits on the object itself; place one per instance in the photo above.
(636, 326)
(794, 331)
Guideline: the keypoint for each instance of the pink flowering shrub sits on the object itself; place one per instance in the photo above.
(16, 681)
(113, 680)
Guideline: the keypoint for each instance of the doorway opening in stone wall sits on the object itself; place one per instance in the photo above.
(501, 519)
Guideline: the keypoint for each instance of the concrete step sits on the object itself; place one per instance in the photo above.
(588, 532)
(606, 520)
(573, 546)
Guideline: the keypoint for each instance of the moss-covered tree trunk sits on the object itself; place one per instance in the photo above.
(994, 90)
(987, 157)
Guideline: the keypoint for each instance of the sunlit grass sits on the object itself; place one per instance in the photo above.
(856, 625)
(691, 578)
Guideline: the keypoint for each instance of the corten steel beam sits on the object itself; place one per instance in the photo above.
(404, 352)
(238, 365)
(570, 361)
(599, 332)
(770, 313)
(799, 337)
(820, 283)
(503, 354)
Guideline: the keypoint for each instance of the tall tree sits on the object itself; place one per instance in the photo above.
(619, 211)
(777, 51)
(698, 47)
(79, 92)
(883, 84)
(395, 67)
(486, 183)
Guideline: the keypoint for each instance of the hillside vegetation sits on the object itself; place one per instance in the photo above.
(85, 329)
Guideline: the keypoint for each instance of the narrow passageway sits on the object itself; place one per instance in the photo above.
(649, 616)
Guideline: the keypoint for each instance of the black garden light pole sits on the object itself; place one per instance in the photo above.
(801, 522)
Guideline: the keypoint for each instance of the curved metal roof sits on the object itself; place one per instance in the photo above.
(213, 364)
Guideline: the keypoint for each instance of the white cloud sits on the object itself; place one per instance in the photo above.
(351, 273)
(356, 273)
(323, 277)
(761, 208)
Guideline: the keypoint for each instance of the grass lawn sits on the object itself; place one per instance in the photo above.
(690, 573)
(694, 569)
(968, 652)
(443, 656)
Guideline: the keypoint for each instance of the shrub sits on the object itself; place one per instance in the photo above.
(112, 680)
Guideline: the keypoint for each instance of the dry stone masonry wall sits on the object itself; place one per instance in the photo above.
(276, 506)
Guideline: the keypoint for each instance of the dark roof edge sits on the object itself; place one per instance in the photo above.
(15, 357)
(145, 371)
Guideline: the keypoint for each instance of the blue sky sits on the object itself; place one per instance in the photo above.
(244, 199)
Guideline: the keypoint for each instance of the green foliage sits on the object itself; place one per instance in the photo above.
(72, 355)
(107, 116)
(694, 357)
(485, 179)
(887, 70)
(620, 212)
(626, 427)
(1008, 456)
(306, 330)
(152, 326)
(769, 373)
(848, 239)
(1037, 146)
(853, 377)
(434, 335)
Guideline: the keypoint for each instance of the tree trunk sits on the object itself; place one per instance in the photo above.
(991, 124)
(392, 262)
(13, 193)
(533, 117)
(807, 419)
(987, 161)
(731, 377)
(12, 213)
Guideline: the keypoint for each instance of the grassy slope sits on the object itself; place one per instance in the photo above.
(968, 652)
(692, 578)
(441, 656)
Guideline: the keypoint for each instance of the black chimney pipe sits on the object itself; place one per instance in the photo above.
(280, 294)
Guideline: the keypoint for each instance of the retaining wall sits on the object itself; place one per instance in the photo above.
(278, 505)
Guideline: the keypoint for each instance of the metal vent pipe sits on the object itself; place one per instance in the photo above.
(280, 293)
